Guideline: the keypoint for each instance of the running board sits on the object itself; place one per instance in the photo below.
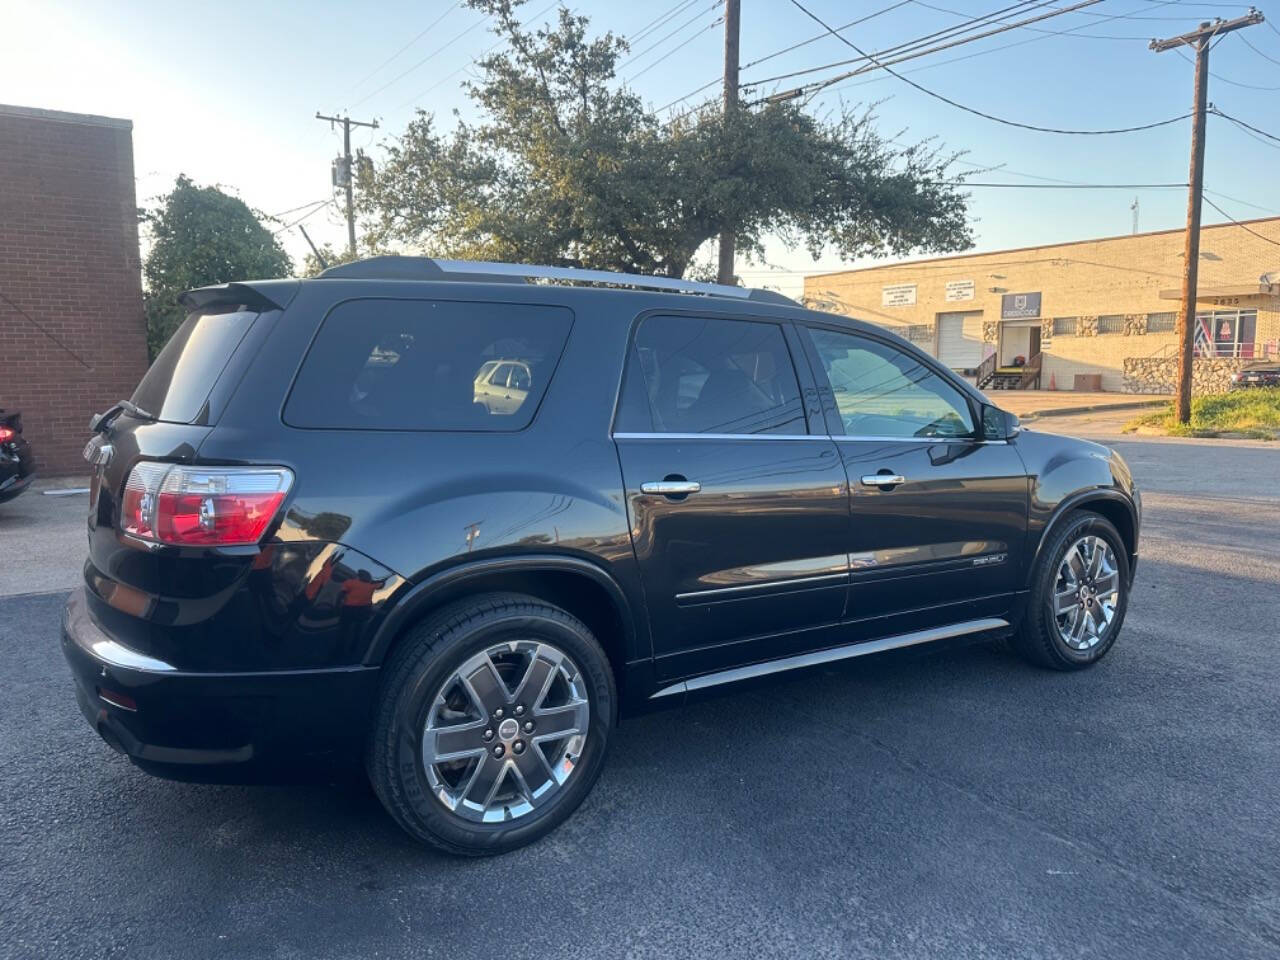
(830, 655)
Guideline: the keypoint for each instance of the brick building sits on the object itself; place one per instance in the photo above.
(1092, 314)
(72, 333)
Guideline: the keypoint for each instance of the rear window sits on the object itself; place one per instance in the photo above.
(428, 365)
(177, 386)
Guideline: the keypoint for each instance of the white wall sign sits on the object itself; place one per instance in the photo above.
(958, 290)
(901, 295)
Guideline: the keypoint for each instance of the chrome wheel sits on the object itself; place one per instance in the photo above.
(505, 731)
(1086, 593)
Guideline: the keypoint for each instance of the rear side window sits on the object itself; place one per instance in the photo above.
(177, 386)
(708, 375)
(428, 365)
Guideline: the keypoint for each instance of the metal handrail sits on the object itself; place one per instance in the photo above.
(986, 371)
(1031, 371)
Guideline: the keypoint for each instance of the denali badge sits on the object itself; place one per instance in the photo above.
(984, 561)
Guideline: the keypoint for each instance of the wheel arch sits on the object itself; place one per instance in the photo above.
(1110, 504)
(571, 583)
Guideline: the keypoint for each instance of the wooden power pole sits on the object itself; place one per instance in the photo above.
(1200, 39)
(349, 173)
(732, 21)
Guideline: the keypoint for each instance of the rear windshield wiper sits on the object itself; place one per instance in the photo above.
(101, 421)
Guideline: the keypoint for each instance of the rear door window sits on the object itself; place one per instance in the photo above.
(710, 375)
(428, 365)
(177, 386)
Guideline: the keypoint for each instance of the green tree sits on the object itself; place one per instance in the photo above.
(200, 236)
(570, 167)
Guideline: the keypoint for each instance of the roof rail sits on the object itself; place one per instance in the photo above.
(430, 268)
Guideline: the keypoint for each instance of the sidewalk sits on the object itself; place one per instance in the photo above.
(1029, 404)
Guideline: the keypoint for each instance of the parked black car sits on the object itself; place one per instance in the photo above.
(431, 514)
(1265, 373)
(17, 462)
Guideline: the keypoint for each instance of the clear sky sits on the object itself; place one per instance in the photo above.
(227, 93)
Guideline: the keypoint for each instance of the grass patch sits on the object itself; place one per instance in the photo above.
(1251, 413)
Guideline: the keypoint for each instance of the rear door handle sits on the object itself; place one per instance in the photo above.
(883, 479)
(671, 487)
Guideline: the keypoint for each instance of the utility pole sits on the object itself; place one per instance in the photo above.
(1134, 207)
(1200, 39)
(732, 21)
(347, 171)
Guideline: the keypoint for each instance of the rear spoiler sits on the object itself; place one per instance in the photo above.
(258, 295)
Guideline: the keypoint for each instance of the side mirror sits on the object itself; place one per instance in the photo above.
(998, 424)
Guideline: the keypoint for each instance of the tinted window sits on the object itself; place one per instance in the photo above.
(178, 384)
(697, 375)
(881, 391)
(428, 365)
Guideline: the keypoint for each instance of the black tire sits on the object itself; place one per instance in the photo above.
(422, 662)
(1037, 638)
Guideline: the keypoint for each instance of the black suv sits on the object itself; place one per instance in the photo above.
(456, 523)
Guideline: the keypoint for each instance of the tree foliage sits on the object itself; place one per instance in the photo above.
(570, 167)
(201, 236)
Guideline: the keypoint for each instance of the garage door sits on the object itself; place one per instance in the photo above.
(960, 340)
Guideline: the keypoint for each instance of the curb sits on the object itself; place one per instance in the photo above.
(1094, 408)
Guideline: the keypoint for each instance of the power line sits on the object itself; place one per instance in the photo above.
(946, 33)
(979, 113)
(1264, 56)
(1239, 224)
(305, 216)
(657, 43)
(475, 60)
(1060, 33)
(996, 49)
(285, 213)
(361, 82)
(676, 49)
(1228, 80)
(1247, 203)
(661, 19)
(778, 53)
(404, 73)
(32, 320)
(1062, 186)
(1240, 123)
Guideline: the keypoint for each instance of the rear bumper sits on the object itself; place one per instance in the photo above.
(13, 485)
(212, 726)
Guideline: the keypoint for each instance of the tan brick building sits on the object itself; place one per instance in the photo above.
(1091, 314)
(72, 333)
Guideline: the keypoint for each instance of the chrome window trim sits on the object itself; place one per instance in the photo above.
(720, 436)
(830, 655)
(797, 436)
(842, 576)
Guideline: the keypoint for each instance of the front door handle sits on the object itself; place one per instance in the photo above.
(671, 488)
(883, 479)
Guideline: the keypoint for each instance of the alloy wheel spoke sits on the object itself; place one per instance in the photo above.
(1076, 562)
(485, 781)
(485, 686)
(1099, 617)
(533, 772)
(561, 721)
(1098, 554)
(1079, 628)
(1108, 585)
(441, 744)
(534, 683)
(1065, 601)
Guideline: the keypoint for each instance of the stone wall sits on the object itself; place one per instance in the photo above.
(1160, 374)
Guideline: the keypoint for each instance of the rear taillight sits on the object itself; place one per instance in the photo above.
(202, 506)
(7, 434)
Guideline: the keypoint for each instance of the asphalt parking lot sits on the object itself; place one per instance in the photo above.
(930, 804)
